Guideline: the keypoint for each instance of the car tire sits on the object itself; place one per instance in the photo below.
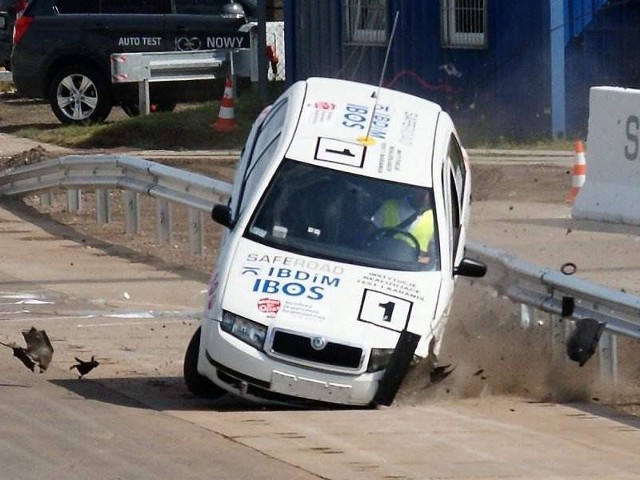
(80, 95)
(198, 384)
(133, 109)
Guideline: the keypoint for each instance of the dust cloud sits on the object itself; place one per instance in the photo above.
(492, 354)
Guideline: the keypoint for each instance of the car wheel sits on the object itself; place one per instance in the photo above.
(80, 95)
(198, 384)
(133, 109)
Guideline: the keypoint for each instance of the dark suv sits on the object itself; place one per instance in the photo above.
(62, 50)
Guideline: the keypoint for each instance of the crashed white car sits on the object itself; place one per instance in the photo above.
(313, 297)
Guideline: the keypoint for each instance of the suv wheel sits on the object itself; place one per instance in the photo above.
(198, 384)
(80, 95)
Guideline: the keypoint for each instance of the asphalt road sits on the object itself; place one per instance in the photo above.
(132, 418)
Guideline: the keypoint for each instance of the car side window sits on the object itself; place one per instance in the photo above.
(455, 214)
(113, 6)
(207, 7)
(77, 6)
(457, 163)
(263, 147)
(136, 6)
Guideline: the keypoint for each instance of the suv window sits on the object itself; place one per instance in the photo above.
(112, 6)
(203, 7)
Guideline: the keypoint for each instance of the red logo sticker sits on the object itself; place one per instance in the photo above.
(269, 305)
(325, 105)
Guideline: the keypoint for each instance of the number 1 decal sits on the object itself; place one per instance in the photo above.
(388, 310)
(384, 310)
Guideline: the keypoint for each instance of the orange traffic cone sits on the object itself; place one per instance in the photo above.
(226, 121)
(578, 172)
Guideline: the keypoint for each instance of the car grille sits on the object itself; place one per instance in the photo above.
(298, 346)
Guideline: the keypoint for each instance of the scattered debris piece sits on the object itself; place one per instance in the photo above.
(38, 351)
(568, 268)
(39, 347)
(438, 374)
(21, 353)
(85, 367)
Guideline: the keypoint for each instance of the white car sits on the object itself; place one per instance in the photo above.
(314, 297)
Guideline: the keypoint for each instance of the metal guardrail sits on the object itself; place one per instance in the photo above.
(133, 175)
(543, 289)
(537, 288)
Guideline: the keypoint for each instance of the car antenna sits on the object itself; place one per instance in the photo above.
(376, 94)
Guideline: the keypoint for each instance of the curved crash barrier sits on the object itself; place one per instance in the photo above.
(610, 192)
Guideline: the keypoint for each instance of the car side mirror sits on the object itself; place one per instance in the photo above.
(470, 268)
(222, 214)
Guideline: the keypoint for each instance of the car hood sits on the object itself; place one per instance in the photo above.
(323, 297)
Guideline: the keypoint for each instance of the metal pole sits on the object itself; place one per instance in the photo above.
(262, 52)
(144, 103)
(131, 212)
(102, 206)
(163, 222)
(608, 357)
(196, 234)
(74, 200)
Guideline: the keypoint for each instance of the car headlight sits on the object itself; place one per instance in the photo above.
(379, 359)
(243, 329)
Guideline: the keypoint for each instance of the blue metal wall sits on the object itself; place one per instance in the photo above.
(503, 90)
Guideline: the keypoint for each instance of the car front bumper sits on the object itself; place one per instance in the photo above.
(247, 372)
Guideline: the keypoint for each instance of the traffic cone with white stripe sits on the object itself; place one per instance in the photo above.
(578, 172)
(226, 121)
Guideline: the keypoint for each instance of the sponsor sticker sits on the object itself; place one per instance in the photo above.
(269, 305)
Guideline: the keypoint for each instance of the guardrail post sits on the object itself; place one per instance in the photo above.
(74, 200)
(102, 206)
(527, 315)
(46, 198)
(164, 222)
(196, 235)
(131, 212)
(559, 334)
(608, 357)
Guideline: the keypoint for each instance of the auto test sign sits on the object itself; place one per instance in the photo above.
(610, 191)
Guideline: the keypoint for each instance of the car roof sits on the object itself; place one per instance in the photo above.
(380, 132)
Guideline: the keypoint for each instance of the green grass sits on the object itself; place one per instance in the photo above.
(190, 128)
(185, 129)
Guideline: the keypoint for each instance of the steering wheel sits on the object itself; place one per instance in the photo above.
(392, 233)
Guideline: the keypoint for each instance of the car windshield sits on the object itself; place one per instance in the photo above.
(327, 213)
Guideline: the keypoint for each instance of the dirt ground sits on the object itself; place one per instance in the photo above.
(489, 352)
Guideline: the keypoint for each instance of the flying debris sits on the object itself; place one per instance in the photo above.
(39, 347)
(21, 353)
(85, 367)
(38, 351)
(437, 373)
(440, 373)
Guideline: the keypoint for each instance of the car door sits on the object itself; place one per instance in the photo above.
(206, 32)
(126, 26)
